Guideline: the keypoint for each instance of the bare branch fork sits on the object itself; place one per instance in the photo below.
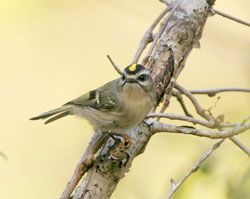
(181, 28)
(219, 121)
(213, 124)
(210, 123)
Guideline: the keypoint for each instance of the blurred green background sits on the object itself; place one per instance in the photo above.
(52, 51)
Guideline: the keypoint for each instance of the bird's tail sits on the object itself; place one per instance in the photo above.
(56, 113)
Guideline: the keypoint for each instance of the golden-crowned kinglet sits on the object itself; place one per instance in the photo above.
(117, 105)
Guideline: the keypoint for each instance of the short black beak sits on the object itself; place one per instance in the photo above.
(130, 80)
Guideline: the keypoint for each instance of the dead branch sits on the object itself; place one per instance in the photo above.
(225, 133)
(214, 11)
(86, 161)
(241, 145)
(3, 155)
(160, 32)
(193, 120)
(117, 69)
(148, 36)
(181, 102)
(212, 122)
(203, 123)
(175, 186)
(213, 91)
(196, 104)
(111, 165)
(178, 117)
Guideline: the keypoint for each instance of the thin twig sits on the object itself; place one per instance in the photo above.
(202, 123)
(81, 168)
(213, 91)
(196, 104)
(118, 70)
(196, 166)
(240, 145)
(212, 122)
(86, 161)
(157, 127)
(190, 119)
(159, 33)
(230, 17)
(245, 120)
(147, 37)
(193, 120)
(182, 103)
(178, 117)
(155, 40)
(3, 155)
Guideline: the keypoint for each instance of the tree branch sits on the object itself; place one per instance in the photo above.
(157, 127)
(111, 165)
(213, 122)
(214, 11)
(117, 69)
(240, 145)
(182, 103)
(160, 32)
(175, 186)
(86, 161)
(196, 104)
(179, 117)
(147, 37)
(213, 91)
(193, 120)
(203, 123)
(3, 155)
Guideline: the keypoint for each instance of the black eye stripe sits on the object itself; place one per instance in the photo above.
(123, 77)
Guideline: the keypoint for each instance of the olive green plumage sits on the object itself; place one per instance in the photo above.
(118, 105)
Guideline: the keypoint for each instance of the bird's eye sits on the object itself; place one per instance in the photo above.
(123, 77)
(142, 78)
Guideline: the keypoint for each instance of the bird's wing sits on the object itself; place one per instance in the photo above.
(103, 98)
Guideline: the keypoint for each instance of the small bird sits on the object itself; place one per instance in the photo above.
(117, 106)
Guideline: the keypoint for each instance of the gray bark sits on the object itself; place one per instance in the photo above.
(182, 33)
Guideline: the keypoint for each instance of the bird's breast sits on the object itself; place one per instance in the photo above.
(137, 103)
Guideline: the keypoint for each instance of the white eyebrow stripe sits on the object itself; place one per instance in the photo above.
(144, 73)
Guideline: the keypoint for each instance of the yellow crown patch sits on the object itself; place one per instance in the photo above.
(132, 67)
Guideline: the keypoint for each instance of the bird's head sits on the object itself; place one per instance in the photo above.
(137, 77)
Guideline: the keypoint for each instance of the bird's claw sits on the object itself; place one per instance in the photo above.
(120, 152)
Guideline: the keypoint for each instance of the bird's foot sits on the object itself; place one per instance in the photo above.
(123, 139)
(120, 151)
(127, 141)
(123, 142)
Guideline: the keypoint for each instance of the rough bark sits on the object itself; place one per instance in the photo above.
(182, 33)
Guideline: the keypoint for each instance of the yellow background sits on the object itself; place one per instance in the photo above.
(52, 51)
